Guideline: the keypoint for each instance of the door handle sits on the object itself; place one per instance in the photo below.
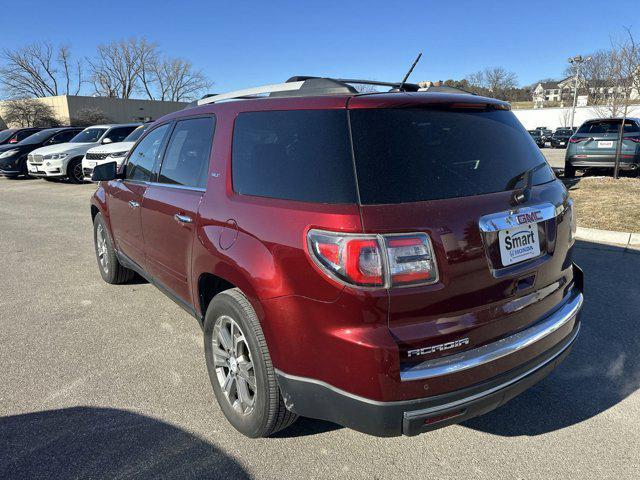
(183, 218)
(133, 204)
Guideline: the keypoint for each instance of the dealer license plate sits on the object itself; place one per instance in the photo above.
(605, 144)
(519, 244)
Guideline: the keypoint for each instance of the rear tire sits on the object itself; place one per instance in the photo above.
(110, 268)
(74, 171)
(569, 171)
(240, 369)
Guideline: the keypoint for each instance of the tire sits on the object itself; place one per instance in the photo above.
(569, 171)
(110, 268)
(255, 412)
(74, 171)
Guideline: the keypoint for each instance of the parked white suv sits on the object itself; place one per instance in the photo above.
(112, 152)
(65, 159)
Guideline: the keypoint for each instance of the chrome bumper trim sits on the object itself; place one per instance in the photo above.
(496, 350)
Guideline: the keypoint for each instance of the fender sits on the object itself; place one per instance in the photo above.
(99, 201)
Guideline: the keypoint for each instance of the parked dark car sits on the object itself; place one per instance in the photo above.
(537, 137)
(546, 135)
(13, 157)
(594, 146)
(391, 262)
(15, 135)
(560, 138)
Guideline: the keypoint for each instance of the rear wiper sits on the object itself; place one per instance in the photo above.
(522, 195)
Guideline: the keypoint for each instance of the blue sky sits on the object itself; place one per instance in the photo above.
(240, 44)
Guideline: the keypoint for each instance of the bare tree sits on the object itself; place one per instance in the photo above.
(172, 79)
(116, 70)
(494, 81)
(90, 116)
(39, 70)
(26, 112)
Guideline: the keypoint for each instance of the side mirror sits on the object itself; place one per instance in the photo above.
(107, 140)
(105, 172)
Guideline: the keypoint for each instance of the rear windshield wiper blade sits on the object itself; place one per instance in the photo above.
(522, 195)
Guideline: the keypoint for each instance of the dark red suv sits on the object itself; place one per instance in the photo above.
(392, 262)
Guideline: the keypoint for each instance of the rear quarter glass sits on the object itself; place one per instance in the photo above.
(302, 155)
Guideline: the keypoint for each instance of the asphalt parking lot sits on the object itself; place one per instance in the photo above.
(102, 381)
(555, 156)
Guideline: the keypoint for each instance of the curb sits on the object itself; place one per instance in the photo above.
(626, 239)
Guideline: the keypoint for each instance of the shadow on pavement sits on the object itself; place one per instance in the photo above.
(86, 442)
(304, 427)
(604, 365)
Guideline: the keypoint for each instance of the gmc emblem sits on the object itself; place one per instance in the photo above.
(532, 217)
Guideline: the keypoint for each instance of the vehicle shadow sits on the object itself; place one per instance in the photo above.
(604, 365)
(87, 442)
(305, 427)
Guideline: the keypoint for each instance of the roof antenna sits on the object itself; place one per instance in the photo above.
(406, 77)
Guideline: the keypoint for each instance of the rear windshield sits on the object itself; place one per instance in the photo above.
(564, 132)
(607, 126)
(411, 155)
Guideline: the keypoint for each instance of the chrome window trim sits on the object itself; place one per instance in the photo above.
(496, 350)
(508, 218)
(177, 187)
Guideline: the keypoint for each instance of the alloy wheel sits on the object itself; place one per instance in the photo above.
(233, 364)
(101, 248)
(77, 172)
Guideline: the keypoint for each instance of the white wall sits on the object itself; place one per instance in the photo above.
(559, 117)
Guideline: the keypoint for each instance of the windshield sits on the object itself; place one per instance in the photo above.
(412, 155)
(6, 134)
(135, 135)
(88, 135)
(36, 138)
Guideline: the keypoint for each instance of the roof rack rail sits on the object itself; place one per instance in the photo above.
(306, 86)
(249, 92)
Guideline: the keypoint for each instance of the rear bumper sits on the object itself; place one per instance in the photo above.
(316, 399)
(603, 161)
(10, 173)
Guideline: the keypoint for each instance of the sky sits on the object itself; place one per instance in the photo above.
(240, 44)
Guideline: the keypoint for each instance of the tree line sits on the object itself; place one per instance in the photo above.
(496, 82)
(121, 69)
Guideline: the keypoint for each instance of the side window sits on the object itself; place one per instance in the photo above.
(186, 161)
(144, 156)
(302, 155)
(119, 134)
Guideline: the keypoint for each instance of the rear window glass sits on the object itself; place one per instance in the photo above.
(411, 155)
(607, 126)
(300, 155)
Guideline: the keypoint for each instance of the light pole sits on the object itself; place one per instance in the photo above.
(578, 60)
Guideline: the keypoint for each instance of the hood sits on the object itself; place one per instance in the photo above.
(70, 148)
(112, 147)
(8, 146)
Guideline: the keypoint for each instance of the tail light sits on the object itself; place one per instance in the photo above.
(374, 260)
(578, 139)
(633, 139)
